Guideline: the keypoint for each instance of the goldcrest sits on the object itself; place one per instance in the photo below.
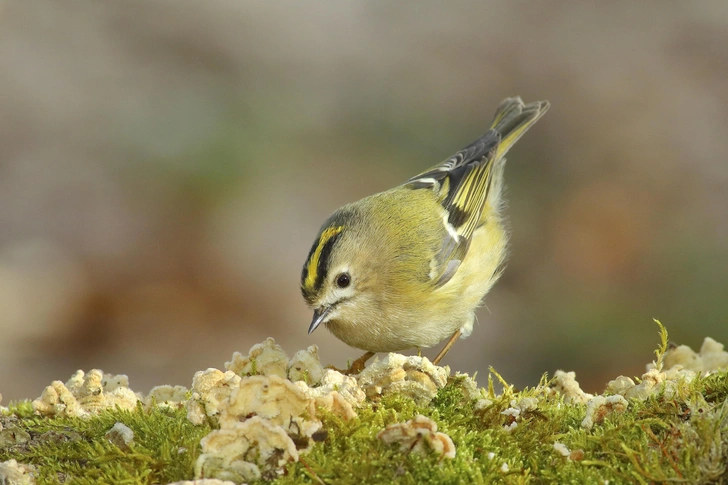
(408, 267)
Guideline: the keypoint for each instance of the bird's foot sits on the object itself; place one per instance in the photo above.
(356, 367)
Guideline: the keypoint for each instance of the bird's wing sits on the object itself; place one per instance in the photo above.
(463, 182)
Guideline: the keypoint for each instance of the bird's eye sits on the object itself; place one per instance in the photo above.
(343, 280)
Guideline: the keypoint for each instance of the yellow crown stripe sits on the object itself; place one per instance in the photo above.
(313, 263)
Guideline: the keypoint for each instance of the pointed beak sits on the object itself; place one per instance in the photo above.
(318, 317)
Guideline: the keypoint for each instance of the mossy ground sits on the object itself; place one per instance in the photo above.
(681, 439)
(677, 438)
(76, 451)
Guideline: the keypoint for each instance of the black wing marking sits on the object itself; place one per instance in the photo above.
(462, 182)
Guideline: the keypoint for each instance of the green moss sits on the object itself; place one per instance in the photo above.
(76, 451)
(22, 408)
(677, 439)
(677, 436)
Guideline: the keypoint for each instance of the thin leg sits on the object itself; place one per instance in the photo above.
(358, 365)
(447, 347)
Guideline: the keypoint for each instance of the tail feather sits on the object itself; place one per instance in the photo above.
(512, 119)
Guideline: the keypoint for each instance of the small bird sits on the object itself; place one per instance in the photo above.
(409, 266)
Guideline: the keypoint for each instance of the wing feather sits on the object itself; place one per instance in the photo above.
(463, 181)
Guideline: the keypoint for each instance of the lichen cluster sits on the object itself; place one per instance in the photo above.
(268, 417)
(269, 407)
(85, 394)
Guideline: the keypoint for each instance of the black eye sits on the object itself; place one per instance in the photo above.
(343, 280)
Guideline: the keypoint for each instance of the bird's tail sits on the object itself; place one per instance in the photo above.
(512, 119)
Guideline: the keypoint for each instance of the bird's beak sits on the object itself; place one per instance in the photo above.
(318, 317)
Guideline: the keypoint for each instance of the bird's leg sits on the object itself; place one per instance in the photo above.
(358, 365)
(419, 351)
(447, 347)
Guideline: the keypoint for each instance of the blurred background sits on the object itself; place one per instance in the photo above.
(165, 166)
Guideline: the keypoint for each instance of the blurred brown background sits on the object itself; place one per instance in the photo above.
(165, 166)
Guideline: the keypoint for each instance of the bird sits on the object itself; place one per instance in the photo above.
(408, 267)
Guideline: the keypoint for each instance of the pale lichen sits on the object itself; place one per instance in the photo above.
(336, 392)
(305, 366)
(516, 408)
(274, 399)
(336, 404)
(120, 435)
(565, 384)
(266, 358)
(14, 473)
(562, 449)
(57, 400)
(469, 386)
(652, 381)
(600, 407)
(418, 435)
(621, 385)
(565, 452)
(86, 394)
(166, 396)
(243, 451)
(209, 389)
(712, 357)
(482, 404)
(347, 386)
(413, 377)
(287, 410)
(265, 422)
